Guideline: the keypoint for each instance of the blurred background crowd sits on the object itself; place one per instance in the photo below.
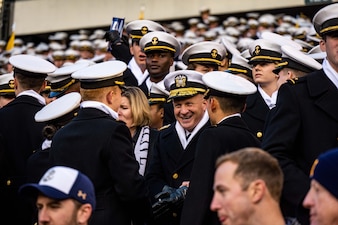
(240, 29)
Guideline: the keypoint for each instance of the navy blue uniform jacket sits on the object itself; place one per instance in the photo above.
(100, 147)
(303, 125)
(228, 136)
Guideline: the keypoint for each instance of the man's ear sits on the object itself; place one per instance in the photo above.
(162, 112)
(15, 83)
(84, 213)
(213, 104)
(291, 75)
(131, 49)
(43, 86)
(257, 189)
(171, 61)
(322, 45)
(109, 96)
(244, 108)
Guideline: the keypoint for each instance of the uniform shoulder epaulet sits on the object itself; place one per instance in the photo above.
(164, 127)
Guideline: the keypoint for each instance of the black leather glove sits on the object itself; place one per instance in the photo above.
(165, 193)
(170, 199)
(113, 36)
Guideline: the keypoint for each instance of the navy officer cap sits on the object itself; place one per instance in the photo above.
(7, 84)
(31, 66)
(263, 50)
(138, 28)
(204, 52)
(157, 94)
(61, 79)
(223, 84)
(160, 41)
(104, 74)
(325, 21)
(240, 65)
(60, 110)
(295, 59)
(184, 84)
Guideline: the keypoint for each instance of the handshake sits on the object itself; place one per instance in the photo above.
(169, 200)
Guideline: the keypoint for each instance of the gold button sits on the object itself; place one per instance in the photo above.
(174, 214)
(175, 176)
(8, 182)
(259, 134)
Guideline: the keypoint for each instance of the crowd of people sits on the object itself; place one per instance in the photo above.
(216, 123)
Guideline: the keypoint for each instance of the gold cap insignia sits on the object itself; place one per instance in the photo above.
(154, 41)
(214, 53)
(257, 49)
(144, 30)
(180, 80)
(11, 83)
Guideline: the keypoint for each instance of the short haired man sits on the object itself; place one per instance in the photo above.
(161, 49)
(63, 196)
(226, 98)
(304, 123)
(101, 147)
(322, 198)
(247, 187)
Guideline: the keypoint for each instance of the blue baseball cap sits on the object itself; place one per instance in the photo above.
(60, 182)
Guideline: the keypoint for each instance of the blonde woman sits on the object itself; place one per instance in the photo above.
(134, 110)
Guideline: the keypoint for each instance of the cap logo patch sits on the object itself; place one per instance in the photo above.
(180, 80)
(257, 49)
(312, 171)
(144, 30)
(11, 83)
(214, 53)
(49, 176)
(154, 41)
(81, 194)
